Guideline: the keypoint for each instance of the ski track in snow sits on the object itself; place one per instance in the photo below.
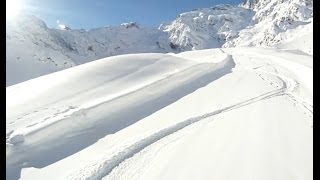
(26, 141)
(102, 169)
(293, 85)
(283, 86)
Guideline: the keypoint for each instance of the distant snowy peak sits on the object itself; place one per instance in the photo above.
(86, 45)
(31, 43)
(207, 27)
(131, 25)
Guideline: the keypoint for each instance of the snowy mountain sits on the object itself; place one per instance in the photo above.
(254, 23)
(207, 27)
(33, 49)
(273, 21)
(30, 43)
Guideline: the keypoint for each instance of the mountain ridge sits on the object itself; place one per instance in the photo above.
(253, 23)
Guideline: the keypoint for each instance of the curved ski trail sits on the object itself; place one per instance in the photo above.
(101, 169)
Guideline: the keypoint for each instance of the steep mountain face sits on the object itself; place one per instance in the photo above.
(253, 23)
(207, 27)
(273, 21)
(33, 49)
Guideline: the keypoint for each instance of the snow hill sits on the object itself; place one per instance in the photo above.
(166, 116)
(30, 43)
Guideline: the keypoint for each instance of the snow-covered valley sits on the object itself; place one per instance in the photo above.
(207, 96)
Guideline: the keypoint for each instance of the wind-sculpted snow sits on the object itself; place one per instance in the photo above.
(158, 82)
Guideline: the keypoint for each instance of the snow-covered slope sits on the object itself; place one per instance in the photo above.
(33, 49)
(300, 38)
(147, 116)
(223, 113)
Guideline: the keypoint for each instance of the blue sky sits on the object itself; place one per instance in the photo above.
(98, 13)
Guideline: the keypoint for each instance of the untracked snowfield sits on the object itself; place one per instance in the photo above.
(231, 113)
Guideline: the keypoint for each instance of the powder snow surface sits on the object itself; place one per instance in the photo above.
(231, 113)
